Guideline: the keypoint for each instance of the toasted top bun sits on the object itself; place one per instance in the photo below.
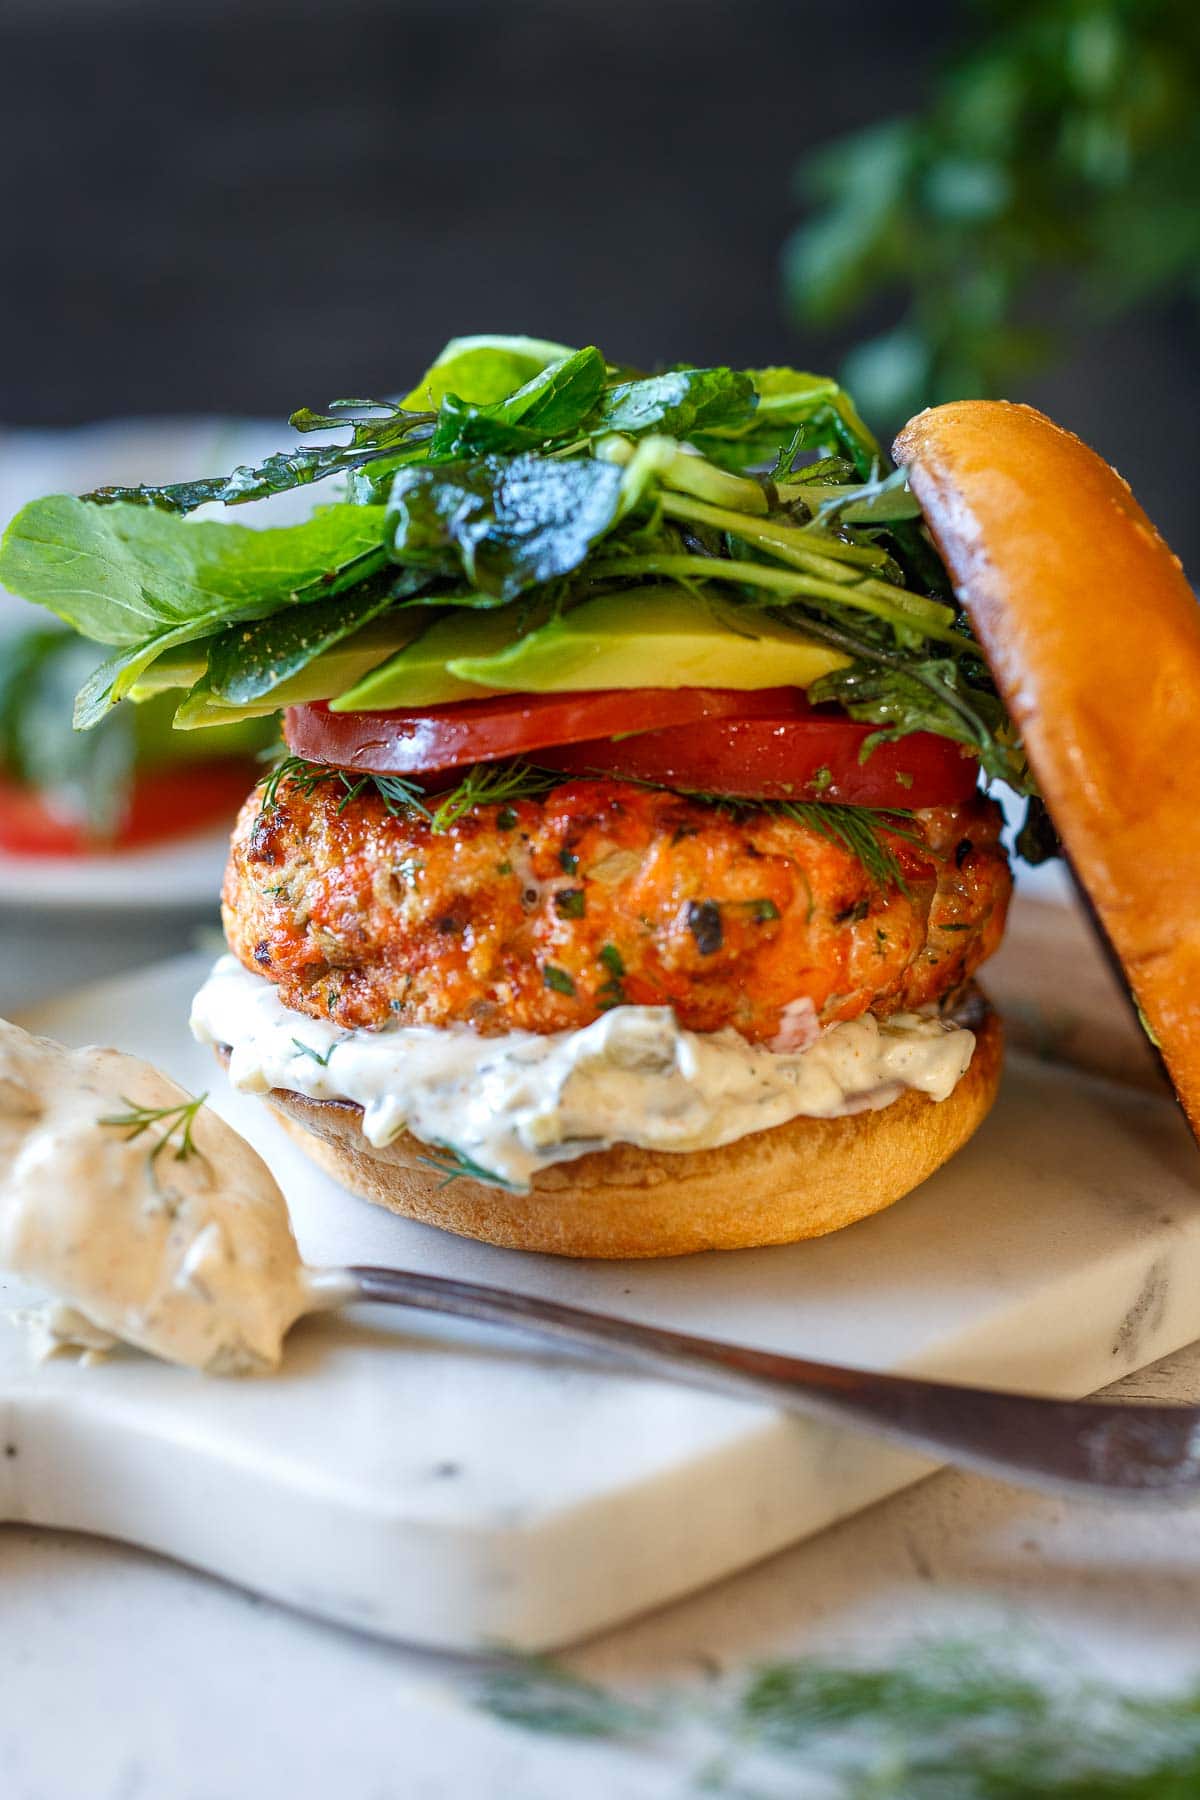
(1093, 635)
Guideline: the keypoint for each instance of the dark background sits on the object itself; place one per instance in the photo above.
(243, 207)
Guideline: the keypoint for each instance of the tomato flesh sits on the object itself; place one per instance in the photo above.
(784, 759)
(164, 803)
(449, 737)
(765, 744)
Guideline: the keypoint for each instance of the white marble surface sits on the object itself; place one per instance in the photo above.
(127, 1677)
(456, 1491)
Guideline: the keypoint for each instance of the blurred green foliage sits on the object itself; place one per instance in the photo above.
(1056, 167)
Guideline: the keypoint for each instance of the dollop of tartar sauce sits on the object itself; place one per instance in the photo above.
(188, 1256)
(516, 1103)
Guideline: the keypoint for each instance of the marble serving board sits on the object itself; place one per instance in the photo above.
(466, 1489)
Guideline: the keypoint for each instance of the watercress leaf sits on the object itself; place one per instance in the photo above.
(511, 520)
(793, 403)
(482, 370)
(680, 402)
(552, 403)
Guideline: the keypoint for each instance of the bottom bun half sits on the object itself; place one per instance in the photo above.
(797, 1180)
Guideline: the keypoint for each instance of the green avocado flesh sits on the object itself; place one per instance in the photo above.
(419, 674)
(330, 674)
(651, 637)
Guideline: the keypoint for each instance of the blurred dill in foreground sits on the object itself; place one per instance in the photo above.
(945, 1721)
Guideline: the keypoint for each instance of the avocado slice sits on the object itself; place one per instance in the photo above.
(652, 637)
(328, 674)
(419, 675)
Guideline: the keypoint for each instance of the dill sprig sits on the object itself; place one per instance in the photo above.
(861, 830)
(858, 829)
(956, 1720)
(398, 794)
(456, 1165)
(177, 1122)
(493, 784)
(484, 784)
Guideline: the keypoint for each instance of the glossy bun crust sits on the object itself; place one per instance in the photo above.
(1093, 635)
(798, 1180)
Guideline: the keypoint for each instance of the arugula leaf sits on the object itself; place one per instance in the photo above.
(680, 402)
(146, 581)
(930, 694)
(553, 403)
(285, 469)
(509, 520)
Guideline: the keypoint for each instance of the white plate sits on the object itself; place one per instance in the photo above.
(185, 874)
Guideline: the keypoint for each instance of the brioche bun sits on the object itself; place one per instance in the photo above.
(798, 1180)
(1093, 636)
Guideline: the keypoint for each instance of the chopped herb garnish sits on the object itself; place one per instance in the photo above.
(763, 912)
(570, 903)
(558, 979)
(307, 1050)
(611, 957)
(568, 861)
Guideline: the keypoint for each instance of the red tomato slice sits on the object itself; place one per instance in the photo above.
(767, 744)
(165, 803)
(449, 737)
(784, 758)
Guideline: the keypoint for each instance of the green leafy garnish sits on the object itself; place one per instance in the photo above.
(944, 1721)
(1058, 154)
(456, 1165)
(307, 1050)
(146, 581)
(177, 1126)
(520, 474)
(493, 784)
(510, 521)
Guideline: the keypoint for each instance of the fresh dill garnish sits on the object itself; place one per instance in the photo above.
(956, 1720)
(857, 829)
(399, 795)
(177, 1123)
(456, 1165)
(492, 784)
(307, 1050)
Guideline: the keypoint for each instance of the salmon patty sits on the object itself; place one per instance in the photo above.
(542, 913)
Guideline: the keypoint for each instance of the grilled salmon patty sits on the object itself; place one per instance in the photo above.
(542, 913)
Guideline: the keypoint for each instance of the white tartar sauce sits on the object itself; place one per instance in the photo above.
(516, 1103)
(185, 1250)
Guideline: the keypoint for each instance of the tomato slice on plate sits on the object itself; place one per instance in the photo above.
(765, 744)
(165, 803)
